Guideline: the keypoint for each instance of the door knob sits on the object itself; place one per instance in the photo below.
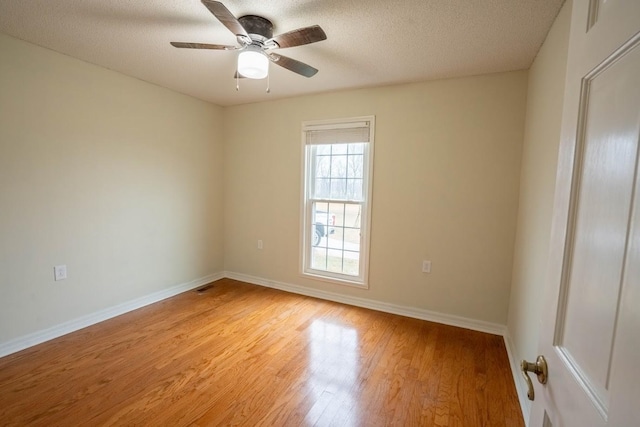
(539, 368)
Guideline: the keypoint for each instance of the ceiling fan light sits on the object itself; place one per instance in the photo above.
(253, 63)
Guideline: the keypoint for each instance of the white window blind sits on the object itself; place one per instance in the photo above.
(343, 133)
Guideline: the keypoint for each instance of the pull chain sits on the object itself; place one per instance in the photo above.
(237, 81)
(268, 78)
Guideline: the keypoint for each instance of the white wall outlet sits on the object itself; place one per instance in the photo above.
(60, 272)
(426, 266)
(259, 244)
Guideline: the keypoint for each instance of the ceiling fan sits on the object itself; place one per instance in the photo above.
(255, 36)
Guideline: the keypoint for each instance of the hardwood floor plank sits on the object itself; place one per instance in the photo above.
(238, 354)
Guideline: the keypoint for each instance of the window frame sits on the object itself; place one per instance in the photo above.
(306, 209)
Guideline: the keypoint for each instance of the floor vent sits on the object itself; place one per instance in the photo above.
(204, 289)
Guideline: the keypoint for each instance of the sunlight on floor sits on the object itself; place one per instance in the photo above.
(334, 370)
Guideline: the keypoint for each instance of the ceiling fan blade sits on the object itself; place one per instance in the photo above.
(202, 46)
(228, 20)
(300, 37)
(293, 65)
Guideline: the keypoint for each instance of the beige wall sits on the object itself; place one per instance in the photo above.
(445, 188)
(116, 178)
(537, 185)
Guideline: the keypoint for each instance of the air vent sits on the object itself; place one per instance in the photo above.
(204, 289)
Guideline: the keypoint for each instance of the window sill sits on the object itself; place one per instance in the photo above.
(335, 280)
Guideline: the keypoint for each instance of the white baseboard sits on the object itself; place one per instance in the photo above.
(521, 387)
(35, 338)
(416, 313)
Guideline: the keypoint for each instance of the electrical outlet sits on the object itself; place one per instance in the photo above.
(60, 272)
(426, 266)
(259, 244)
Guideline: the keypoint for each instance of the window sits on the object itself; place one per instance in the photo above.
(338, 161)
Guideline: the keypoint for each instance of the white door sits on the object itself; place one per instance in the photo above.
(591, 322)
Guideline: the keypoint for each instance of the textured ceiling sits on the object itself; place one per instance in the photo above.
(369, 42)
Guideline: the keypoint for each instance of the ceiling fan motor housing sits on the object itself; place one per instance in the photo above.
(257, 25)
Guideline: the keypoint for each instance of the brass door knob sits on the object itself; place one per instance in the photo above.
(539, 368)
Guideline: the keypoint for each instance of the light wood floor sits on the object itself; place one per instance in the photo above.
(240, 354)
